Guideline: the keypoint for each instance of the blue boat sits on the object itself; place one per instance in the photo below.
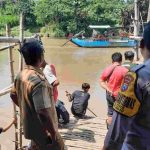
(105, 42)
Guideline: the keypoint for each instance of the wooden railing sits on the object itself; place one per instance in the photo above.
(6, 90)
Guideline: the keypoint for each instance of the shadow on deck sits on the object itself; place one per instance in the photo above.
(87, 134)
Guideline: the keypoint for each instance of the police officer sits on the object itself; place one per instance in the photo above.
(33, 95)
(130, 129)
(129, 57)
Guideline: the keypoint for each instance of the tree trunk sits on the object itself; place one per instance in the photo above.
(136, 18)
(148, 17)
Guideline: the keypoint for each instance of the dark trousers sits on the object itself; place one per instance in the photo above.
(77, 114)
(110, 102)
(46, 144)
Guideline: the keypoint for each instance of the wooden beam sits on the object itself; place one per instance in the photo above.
(9, 40)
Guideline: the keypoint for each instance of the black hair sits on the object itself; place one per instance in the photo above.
(116, 57)
(129, 55)
(85, 86)
(146, 36)
(32, 51)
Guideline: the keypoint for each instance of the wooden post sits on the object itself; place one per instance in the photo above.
(10, 54)
(20, 68)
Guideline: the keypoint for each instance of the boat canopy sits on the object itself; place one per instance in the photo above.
(103, 27)
(99, 26)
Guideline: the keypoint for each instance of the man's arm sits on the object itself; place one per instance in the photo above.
(55, 83)
(44, 109)
(70, 98)
(6, 128)
(103, 84)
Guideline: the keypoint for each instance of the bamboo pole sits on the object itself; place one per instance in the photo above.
(4, 92)
(20, 68)
(8, 87)
(10, 55)
(92, 112)
(6, 47)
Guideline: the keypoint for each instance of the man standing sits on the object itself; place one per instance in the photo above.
(110, 80)
(33, 95)
(50, 74)
(129, 57)
(130, 129)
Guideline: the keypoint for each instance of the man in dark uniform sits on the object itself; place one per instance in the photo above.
(130, 129)
(129, 58)
(33, 94)
(79, 100)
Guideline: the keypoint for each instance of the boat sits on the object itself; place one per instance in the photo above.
(103, 41)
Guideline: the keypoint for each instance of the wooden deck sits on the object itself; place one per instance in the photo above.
(84, 134)
(79, 134)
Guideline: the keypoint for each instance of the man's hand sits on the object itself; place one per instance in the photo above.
(69, 96)
(67, 93)
(108, 90)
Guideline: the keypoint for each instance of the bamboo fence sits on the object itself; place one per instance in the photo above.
(9, 47)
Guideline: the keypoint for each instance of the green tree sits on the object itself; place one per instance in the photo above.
(8, 13)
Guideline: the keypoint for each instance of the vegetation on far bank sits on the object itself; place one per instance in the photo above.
(61, 17)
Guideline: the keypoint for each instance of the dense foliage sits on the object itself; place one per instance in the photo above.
(60, 17)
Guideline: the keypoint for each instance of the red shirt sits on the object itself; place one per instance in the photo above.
(115, 80)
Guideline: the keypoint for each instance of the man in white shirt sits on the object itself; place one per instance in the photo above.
(50, 74)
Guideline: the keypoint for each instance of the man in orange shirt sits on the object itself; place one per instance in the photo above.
(110, 80)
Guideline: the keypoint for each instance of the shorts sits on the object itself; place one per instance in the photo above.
(110, 102)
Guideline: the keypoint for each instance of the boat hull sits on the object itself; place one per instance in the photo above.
(103, 43)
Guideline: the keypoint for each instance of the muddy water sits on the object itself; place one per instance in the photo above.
(74, 66)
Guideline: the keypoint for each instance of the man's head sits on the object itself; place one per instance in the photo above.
(32, 52)
(129, 55)
(116, 57)
(85, 87)
(145, 42)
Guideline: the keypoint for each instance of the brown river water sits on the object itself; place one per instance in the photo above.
(74, 65)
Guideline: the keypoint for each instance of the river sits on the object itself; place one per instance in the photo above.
(74, 66)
